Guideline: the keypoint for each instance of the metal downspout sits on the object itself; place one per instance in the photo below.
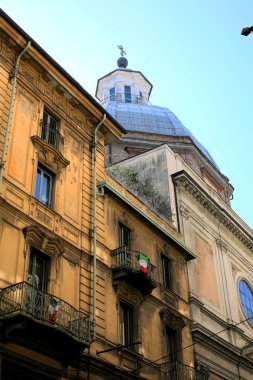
(95, 221)
(14, 83)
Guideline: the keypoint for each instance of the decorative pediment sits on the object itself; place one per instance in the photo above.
(43, 241)
(48, 154)
(172, 318)
(126, 293)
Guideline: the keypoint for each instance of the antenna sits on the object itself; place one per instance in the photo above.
(122, 51)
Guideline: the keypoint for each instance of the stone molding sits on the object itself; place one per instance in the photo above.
(220, 244)
(50, 155)
(128, 294)
(173, 318)
(184, 212)
(43, 241)
(188, 184)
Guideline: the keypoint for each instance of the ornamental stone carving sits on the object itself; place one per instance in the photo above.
(185, 212)
(51, 156)
(173, 318)
(43, 241)
(220, 244)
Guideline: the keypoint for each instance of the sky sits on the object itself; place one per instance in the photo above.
(191, 51)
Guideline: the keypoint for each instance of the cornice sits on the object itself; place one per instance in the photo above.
(193, 300)
(205, 200)
(222, 348)
(63, 78)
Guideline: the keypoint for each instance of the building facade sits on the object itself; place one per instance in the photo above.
(93, 282)
(164, 165)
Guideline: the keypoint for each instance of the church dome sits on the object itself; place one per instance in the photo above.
(152, 119)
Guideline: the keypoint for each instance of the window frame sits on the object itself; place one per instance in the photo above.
(122, 230)
(127, 325)
(171, 343)
(35, 256)
(128, 94)
(39, 189)
(249, 300)
(49, 133)
(112, 94)
(166, 266)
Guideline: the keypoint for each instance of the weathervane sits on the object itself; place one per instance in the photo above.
(122, 51)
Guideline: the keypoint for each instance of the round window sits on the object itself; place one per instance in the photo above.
(246, 298)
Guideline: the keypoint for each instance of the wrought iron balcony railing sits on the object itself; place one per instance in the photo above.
(180, 371)
(125, 257)
(134, 268)
(51, 135)
(25, 299)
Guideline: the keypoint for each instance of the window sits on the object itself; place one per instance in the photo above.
(49, 131)
(246, 298)
(124, 236)
(128, 94)
(166, 271)
(38, 269)
(126, 324)
(171, 344)
(44, 186)
(173, 369)
(112, 93)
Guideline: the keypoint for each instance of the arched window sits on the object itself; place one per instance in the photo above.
(246, 298)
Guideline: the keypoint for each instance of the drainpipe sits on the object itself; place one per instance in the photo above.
(95, 221)
(14, 83)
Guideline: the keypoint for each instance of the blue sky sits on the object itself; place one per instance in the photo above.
(190, 50)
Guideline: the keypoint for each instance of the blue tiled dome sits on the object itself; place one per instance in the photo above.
(152, 119)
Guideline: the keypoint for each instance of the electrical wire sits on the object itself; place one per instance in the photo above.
(190, 345)
(184, 348)
(67, 372)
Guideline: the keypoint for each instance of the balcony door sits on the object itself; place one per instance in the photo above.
(124, 236)
(172, 354)
(49, 129)
(38, 269)
(126, 324)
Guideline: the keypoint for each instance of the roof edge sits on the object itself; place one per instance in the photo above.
(188, 253)
(59, 68)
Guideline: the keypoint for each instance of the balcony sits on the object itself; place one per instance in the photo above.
(50, 145)
(180, 371)
(127, 266)
(40, 317)
(51, 135)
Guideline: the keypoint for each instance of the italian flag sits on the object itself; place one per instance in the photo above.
(53, 310)
(143, 262)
